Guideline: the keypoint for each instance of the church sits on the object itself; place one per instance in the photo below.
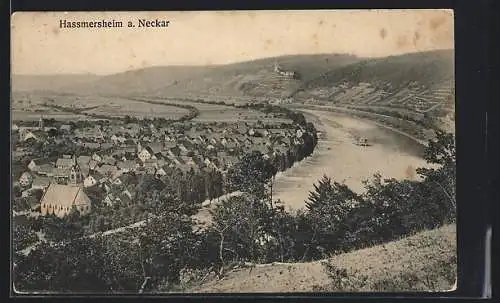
(60, 200)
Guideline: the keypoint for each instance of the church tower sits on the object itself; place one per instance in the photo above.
(40, 123)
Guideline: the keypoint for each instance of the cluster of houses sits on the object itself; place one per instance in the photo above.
(132, 148)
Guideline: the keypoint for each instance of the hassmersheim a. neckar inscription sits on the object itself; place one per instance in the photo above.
(113, 23)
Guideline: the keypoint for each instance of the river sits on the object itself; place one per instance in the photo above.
(391, 154)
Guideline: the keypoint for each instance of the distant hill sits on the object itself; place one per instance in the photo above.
(136, 82)
(257, 77)
(413, 84)
(253, 78)
(425, 69)
(32, 83)
(418, 82)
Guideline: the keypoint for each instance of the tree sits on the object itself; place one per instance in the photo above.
(251, 174)
(328, 208)
(240, 222)
(165, 244)
(441, 180)
(23, 237)
(283, 244)
(73, 266)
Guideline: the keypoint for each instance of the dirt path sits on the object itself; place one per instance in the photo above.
(391, 154)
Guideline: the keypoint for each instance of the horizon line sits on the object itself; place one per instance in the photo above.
(227, 64)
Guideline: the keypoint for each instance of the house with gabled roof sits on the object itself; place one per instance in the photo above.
(65, 163)
(115, 197)
(175, 160)
(45, 170)
(183, 150)
(106, 169)
(128, 152)
(149, 170)
(118, 153)
(111, 199)
(49, 128)
(83, 160)
(117, 139)
(145, 154)
(127, 166)
(89, 133)
(109, 160)
(150, 163)
(84, 169)
(156, 147)
(161, 162)
(160, 172)
(174, 151)
(65, 128)
(128, 192)
(106, 146)
(91, 145)
(60, 200)
(29, 135)
(40, 182)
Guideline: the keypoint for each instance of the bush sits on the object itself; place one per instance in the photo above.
(342, 280)
(23, 237)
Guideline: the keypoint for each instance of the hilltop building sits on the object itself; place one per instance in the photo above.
(287, 74)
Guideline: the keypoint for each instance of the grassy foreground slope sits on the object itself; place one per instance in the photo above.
(425, 261)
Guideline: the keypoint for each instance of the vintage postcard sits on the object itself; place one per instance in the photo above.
(233, 152)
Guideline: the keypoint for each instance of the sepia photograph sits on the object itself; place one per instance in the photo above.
(230, 152)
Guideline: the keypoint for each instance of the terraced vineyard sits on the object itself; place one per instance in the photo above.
(417, 87)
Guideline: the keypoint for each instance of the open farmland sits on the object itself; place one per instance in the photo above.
(224, 113)
(22, 115)
(221, 113)
(139, 110)
(228, 114)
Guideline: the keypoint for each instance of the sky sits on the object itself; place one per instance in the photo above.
(40, 46)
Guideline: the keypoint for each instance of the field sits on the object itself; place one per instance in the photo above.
(21, 115)
(224, 113)
(31, 107)
(139, 110)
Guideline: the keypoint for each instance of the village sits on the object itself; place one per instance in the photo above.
(108, 155)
